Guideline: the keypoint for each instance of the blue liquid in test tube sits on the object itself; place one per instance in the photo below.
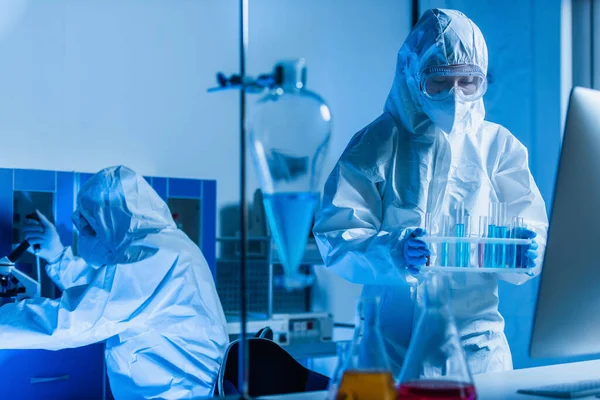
(444, 255)
(517, 224)
(483, 232)
(490, 249)
(460, 232)
(445, 248)
(501, 233)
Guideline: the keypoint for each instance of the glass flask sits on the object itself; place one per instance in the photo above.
(289, 138)
(435, 366)
(367, 373)
(342, 350)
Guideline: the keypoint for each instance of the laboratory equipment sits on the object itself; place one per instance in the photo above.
(435, 364)
(445, 248)
(289, 137)
(290, 329)
(490, 249)
(14, 284)
(342, 351)
(483, 233)
(566, 323)
(515, 259)
(463, 229)
(501, 233)
(566, 320)
(367, 372)
(571, 390)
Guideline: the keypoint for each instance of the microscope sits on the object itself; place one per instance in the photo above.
(16, 285)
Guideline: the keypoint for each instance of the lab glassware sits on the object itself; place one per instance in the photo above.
(367, 372)
(342, 350)
(289, 135)
(435, 365)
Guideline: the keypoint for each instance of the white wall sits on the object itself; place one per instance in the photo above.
(86, 84)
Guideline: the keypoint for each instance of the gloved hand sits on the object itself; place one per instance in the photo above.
(526, 255)
(415, 250)
(44, 234)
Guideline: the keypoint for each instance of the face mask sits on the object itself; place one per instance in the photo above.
(94, 252)
(446, 114)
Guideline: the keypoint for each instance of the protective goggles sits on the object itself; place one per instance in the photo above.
(440, 82)
(82, 225)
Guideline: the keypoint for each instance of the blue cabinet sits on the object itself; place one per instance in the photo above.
(61, 375)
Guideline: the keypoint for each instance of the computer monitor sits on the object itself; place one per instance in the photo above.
(567, 318)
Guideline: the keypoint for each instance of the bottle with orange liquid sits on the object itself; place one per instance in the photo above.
(435, 367)
(367, 372)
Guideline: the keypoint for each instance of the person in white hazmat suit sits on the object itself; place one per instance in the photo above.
(430, 150)
(140, 284)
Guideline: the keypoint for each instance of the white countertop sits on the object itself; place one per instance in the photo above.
(504, 385)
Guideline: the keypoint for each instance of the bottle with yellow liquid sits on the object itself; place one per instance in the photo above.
(367, 372)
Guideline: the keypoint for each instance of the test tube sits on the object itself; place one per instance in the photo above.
(483, 232)
(428, 233)
(490, 249)
(459, 232)
(515, 260)
(466, 247)
(445, 247)
(501, 233)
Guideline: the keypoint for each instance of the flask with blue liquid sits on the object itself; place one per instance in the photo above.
(289, 137)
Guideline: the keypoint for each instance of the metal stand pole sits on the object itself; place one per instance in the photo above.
(243, 372)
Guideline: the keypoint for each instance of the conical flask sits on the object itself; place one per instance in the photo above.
(367, 372)
(342, 350)
(436, 366)
(289, 136)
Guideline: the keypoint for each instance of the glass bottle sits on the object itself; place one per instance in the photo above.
(342, 350)
(435, 366)
(367, 372)
(289, 137)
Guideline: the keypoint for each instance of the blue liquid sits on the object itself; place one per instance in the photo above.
(444, 255)
(520, 261)
(501, 232)
(512, 256)
(290, 218)
(461, 255)
(490, 249)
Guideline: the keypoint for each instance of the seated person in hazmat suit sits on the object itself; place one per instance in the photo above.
(141, 285)
(430, 151)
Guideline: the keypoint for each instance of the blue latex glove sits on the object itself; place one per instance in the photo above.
(526, 255)
(415, 250)
(44, 234)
